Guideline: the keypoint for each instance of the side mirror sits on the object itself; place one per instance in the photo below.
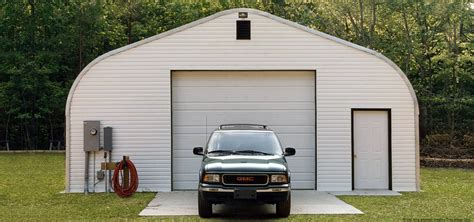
(198, 151)
(289, 151)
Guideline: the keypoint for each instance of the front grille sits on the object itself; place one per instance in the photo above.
(245, 179)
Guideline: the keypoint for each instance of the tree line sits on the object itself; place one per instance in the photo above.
(45, 44)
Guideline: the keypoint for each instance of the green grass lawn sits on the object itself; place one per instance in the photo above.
(30, 186)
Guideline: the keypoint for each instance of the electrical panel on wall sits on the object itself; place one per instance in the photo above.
(107, 138)
(91, 135)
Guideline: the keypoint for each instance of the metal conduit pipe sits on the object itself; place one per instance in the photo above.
(109, 179)
(106, 182)
(86, 173)
(93, 175)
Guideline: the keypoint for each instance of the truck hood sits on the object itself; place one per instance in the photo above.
(244, 163)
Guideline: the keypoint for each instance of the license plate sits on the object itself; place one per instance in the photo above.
(245, 194)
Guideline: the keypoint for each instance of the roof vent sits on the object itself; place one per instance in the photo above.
(243, 14)
(243, 30)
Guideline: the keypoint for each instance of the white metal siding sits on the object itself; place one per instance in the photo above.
(283, 100)
(130, 91)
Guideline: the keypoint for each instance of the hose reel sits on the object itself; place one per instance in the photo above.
(125, 178)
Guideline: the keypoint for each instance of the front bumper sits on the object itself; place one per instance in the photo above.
(264, 195)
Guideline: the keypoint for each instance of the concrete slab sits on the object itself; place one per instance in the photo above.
(317, 202)
(303, 202)
(366, 193)
(172, 203)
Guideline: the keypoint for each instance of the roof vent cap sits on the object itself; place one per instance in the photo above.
(243, 14)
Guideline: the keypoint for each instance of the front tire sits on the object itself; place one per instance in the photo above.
(283, 207)
(204, 207)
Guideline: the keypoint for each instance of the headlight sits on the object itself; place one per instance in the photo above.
(211, 178)
(281, 178)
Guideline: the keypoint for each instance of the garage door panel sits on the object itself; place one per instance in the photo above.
(303, 152)
(184, 184)
(292, 129)
(189, 118)
(282, 100)
(307, 176)
(267, 117)
(186, 177)
(280, 129)
(260, 105)
(302, 183)
(244, 79)
(296, 140)
(189, 140)
(186, 153)
(216, 81)
(301, 164)
(216, 117)
(190, 129)
(246, 94)
(187, 165)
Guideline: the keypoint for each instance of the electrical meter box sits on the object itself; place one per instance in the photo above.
(91, 135)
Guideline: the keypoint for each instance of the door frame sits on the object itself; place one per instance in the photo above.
(389, 124)
(171, 71)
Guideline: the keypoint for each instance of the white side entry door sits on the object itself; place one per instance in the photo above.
(370, 156)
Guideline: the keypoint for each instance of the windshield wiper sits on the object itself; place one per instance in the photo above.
(252, 151)
(221, 151)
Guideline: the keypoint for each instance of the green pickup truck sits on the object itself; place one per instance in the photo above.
(244, 163)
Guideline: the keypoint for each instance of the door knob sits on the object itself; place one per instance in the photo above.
(355, 155)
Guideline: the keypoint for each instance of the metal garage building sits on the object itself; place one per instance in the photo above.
(350, 112)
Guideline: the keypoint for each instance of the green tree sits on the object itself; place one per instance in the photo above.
(45, 44)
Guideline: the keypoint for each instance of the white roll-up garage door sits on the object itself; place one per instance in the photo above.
(283, 100)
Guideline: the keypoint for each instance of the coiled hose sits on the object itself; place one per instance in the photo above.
(120, 188)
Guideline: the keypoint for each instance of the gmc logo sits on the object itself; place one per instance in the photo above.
(245, 179)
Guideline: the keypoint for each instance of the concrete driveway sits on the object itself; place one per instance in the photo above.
(303, 202)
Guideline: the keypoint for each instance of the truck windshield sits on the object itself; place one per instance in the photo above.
(253, 142)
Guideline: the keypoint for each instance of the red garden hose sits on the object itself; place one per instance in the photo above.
(122, 189)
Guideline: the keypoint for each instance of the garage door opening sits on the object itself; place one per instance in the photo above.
(283, 100)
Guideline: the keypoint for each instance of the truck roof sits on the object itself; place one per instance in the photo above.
(243, 126)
